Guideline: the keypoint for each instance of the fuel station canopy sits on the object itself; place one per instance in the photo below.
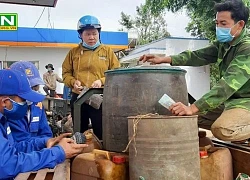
(44, 3)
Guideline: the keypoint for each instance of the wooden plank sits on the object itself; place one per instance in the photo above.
(241, 161)
(68, 169)
(52, 170)
(23, 176)
(41, 174)
(61, 171)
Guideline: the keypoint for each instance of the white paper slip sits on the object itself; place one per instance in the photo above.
(166, 101)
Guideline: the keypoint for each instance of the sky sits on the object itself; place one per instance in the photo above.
(67, 12)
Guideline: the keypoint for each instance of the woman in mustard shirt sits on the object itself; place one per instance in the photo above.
(84, 66)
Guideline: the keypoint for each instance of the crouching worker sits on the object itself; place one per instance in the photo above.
(34, 124)
(227, 104)
(17, 157)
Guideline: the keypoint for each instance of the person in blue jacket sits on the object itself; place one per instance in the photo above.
(17, 157)
(34, 123)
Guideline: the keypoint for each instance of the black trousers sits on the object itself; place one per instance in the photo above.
(88, 112)
(205, 121)
(49, 92)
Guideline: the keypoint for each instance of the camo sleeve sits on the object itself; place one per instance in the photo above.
(199, 57)
(236, 75)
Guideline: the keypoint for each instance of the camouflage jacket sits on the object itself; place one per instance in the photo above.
(233, 88)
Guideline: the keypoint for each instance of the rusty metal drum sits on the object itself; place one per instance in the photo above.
(133, 91)
(164, 147)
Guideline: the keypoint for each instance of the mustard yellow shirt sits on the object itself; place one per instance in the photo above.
(88, 65)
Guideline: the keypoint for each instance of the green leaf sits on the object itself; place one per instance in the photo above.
(150, 26)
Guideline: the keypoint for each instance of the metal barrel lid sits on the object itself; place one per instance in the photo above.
(148, 69)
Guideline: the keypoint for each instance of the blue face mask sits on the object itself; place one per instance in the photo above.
(17, 112)
(91, 47)
(224, 34)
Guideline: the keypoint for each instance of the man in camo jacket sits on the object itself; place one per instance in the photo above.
(226, 107)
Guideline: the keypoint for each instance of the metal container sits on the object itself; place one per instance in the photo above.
(164, 148)
(133, 91)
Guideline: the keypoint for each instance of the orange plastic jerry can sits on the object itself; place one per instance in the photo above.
(100, 165)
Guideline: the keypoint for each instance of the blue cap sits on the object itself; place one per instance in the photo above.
(30, 70)
(15, 83)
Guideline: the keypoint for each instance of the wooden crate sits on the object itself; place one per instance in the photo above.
(240, 155)
(60, 172)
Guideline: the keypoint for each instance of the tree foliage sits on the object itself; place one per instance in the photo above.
(201, 13)
(149, 26)
(202, 17)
